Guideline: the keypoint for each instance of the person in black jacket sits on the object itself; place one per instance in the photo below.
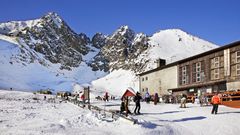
(137, 99)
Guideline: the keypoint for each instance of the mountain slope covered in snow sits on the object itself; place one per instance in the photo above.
(26, 75)
(172, 45)
(47, 53)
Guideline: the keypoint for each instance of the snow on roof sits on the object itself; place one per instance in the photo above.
(129, 92)
(131, 89)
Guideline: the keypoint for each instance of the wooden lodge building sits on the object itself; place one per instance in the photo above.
(216, 70)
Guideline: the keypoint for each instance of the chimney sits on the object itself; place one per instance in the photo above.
(161, 62)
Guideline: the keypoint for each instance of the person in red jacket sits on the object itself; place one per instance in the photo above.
(215, 103)
(82, 97)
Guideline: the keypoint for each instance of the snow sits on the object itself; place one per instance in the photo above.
(34, 41)
(164, 44)
(94, 51)
(21, 114)
(131, 90)
(16, 26)
(30, 75)
(35, 76)
(122, 31)
(138, 37)
(9, 39)
(117, 82)
(55, 18)
(174, 45)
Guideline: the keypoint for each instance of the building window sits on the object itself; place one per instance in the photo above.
(238, 57)
(198, 71)
(216, 62)
(143, 90)
(216, 73)
(184, 75)
(146, 78)
(198, 77)
(215, 66)
(142, 79)
(238, 69)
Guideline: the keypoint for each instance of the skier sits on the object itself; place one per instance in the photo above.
(215, 102)
(137, 99)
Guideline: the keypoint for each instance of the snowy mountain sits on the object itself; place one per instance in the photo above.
(172, 45)
(50, 36)
(20, 75)
(47, 53)
(120, 51)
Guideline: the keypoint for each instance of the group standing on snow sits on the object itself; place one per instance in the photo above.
(137, 99)
(215, 101)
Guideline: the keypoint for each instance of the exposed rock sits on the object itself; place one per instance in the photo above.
(120, 50)
(53, 38)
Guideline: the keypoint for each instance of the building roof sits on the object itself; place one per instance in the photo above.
(192, 57)
(129, 92)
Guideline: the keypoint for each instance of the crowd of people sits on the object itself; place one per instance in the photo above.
(137, 99)
(203, 99)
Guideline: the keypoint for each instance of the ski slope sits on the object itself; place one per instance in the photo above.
(20, 114)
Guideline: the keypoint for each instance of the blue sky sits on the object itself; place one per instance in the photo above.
(214, 20)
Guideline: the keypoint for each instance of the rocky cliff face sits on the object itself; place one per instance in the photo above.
(120, 50)
(46, 53)
(52, 37)
(124, 49)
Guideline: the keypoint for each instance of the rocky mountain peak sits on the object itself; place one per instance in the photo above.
(52, 15)
(52, 37)
(123, 49)
(53, 18)
(123, 32)
(99, 40)
(119, 50)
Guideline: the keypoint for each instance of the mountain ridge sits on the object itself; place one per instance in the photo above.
(65, 57)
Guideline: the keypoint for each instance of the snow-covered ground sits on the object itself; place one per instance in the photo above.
(20, 114)
(34, 76)
(117, 82)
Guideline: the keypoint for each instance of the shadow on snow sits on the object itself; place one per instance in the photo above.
(227, 112)
(169, 112)
(185, 119)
